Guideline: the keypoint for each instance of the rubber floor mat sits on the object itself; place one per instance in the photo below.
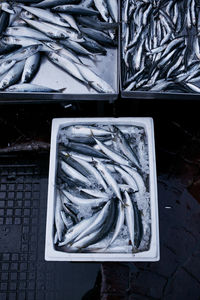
(24, 275)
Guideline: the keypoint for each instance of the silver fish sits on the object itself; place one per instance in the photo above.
(119, 224)
(74, 173)
(45, 15)
(102, 7)
(28, 87)
(109, 178)
(66, 64)
(23, 31)
(129, 216)
(84, 130)
(111, 154)
(84, 201)
(127, 178)
(98, 222)
(94, 80)
(77, 229)
(58, 219)
(7, 65)
(75, 10)
(113, 9)
(13, 75)
(52, 3)
(31, 67)
(22, 41)
(99, 179)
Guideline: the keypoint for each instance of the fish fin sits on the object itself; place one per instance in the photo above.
(62, 90)
(92, 135)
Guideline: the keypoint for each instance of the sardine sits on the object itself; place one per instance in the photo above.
(98, 222)
(66, 64)
(74, 231)
(12, 76)
(74, 173)
(28, 87)
(94, 80)
(84, 201)
(129, 216)
(109, 179)
(75, 10)
(7, 65)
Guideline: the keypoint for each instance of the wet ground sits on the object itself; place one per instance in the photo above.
(24, 150)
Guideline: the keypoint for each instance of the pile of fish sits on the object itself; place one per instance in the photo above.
(102, 198)
(65, 31)
(160, 45)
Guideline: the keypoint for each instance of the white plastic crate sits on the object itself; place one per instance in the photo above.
(153, 254)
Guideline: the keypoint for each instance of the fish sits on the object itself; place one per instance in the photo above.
(45, 15)
(67, 220)
(68, 170)
(12, 76)
(125, 148)
(99, 36)
(53, 3)
(4, 21)
(93, 46)
(58, 219)
(31, 66)
(119, 223)
(73, 163)
(22, 41)
(98, 222)
(94, 193)
(69, 55)
(76, 47)
(77, 229)
(29, 87)
(84, 131)
(7, 65)
(66, 64)
(99, 233)
(23, 31)
(22, 53)
(70, 21)
(53, 31)
(137, 178)
(109, 178)
(4, 48)
(85, 149)
(89, 167)
(112, 154)
(96, 24)
(77, 200)
(94, 80)
(75, 10)
(102, 7)
(129, 217)
(138, 225)
(165, 44)
(127, 178)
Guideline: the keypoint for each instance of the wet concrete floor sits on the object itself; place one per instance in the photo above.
(25, 275)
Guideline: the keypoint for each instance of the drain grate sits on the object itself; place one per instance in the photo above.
(24, 274)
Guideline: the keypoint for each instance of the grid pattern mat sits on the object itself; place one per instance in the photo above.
(24, 274)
